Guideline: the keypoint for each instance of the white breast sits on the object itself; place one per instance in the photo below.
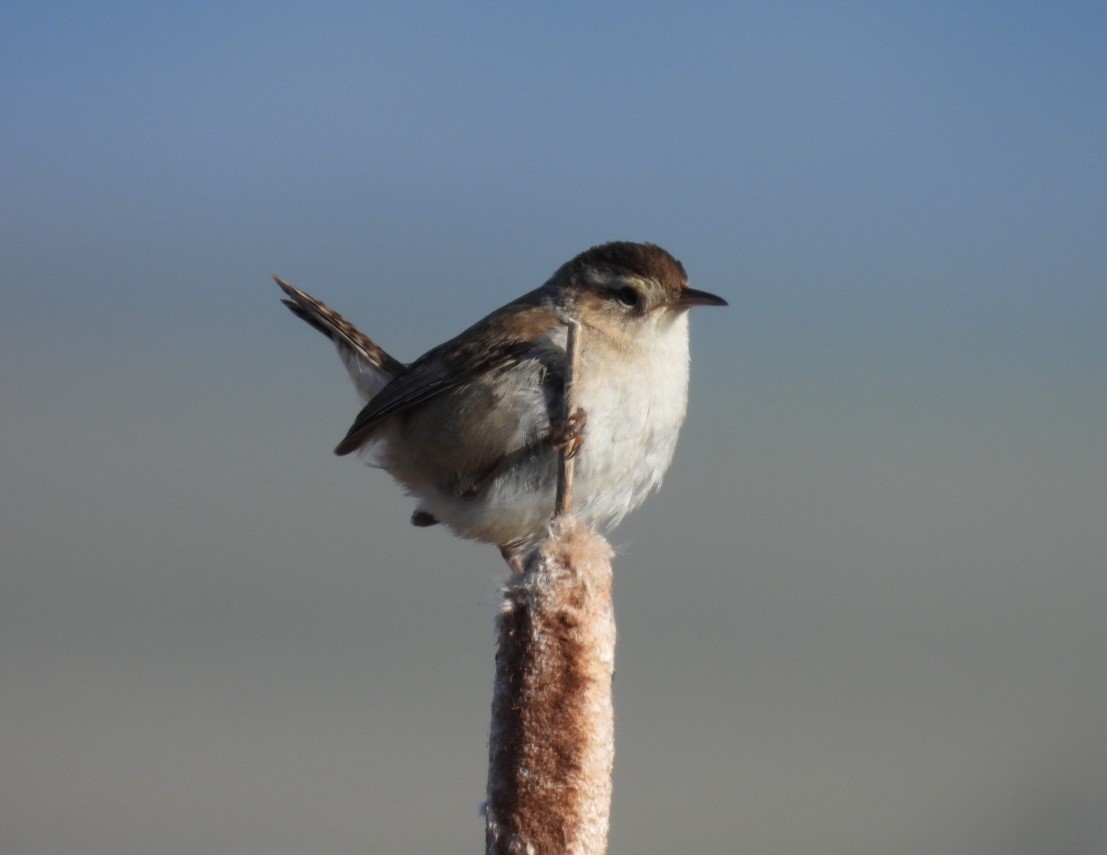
(635, 403)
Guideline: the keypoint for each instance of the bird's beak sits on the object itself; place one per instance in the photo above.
(690, 297)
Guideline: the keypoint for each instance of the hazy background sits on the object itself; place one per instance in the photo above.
(865, 614)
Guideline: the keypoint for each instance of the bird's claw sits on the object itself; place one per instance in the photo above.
(567, 435)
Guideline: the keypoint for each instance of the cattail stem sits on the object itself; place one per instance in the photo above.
(552, 743)
(563, 504)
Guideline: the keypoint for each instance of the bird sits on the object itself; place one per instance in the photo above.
(472, 429)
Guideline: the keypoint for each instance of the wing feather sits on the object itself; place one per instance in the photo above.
(513, 332)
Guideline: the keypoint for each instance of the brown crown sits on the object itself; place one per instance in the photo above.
(645, 260)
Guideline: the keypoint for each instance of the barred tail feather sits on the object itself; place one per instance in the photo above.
(369, 365)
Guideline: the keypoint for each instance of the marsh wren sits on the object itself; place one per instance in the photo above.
(472, 430)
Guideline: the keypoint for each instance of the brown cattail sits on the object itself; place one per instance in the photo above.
(552, 742)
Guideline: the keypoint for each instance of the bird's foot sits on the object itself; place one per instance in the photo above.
(568, 435)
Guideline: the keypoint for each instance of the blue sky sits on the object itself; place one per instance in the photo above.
(892, 477)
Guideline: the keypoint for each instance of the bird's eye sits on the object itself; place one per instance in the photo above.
(627, 296)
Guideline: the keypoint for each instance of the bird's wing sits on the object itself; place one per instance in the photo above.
(500, 342)
(369, 366)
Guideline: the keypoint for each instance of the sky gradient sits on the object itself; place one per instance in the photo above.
(863, 615)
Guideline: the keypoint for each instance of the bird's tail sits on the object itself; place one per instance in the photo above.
(370, 367)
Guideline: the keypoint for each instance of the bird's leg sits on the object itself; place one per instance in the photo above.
(513, 558)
